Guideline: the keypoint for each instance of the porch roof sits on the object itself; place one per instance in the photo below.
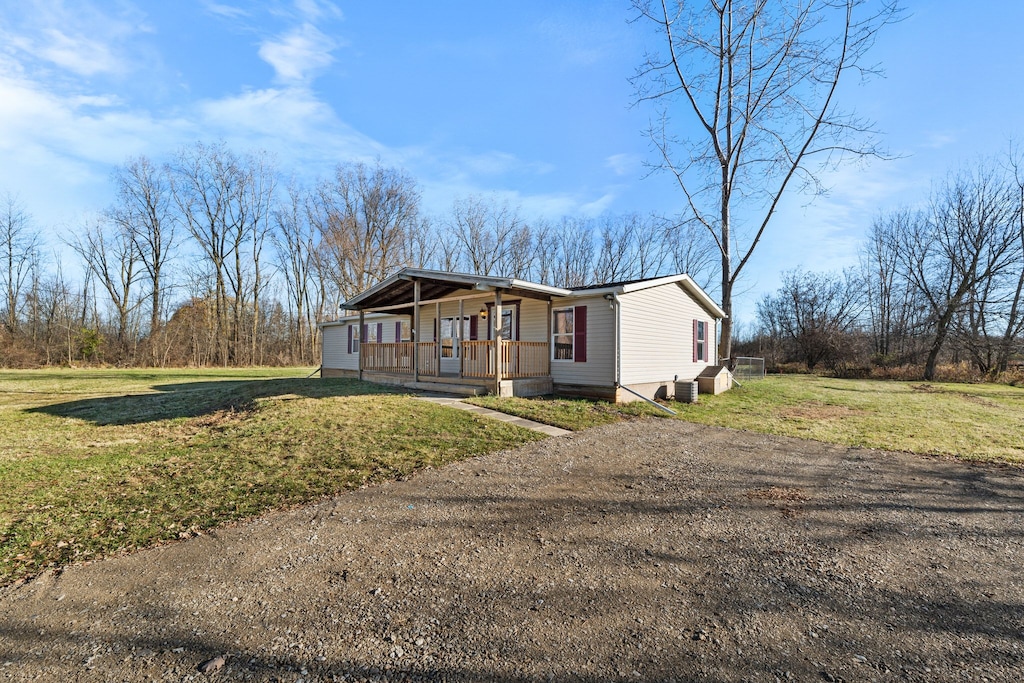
(397, 290)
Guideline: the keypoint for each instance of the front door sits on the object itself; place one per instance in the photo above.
(509, 328)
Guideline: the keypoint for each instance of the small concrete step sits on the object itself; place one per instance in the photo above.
(445, 388)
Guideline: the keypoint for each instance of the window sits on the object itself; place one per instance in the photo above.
(509, 318)
(450, 335)
(405, 331)
(353, 338)
(371, 334)
(700, 340)
(562, 333)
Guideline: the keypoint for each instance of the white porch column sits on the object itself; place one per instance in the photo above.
(362, 329)
(461, 355)
(437, 338)
(416, 330)
(497, 342)
(551, 348)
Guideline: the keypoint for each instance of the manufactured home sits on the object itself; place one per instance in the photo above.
(477, 334)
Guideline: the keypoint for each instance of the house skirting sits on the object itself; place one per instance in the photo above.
(522, 387)
(338, 372)
(530, 386)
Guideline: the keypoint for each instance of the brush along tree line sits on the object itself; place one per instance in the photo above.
(208, 259)
(942, 282)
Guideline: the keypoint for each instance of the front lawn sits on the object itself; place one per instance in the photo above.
(969, 421)
(98, 462)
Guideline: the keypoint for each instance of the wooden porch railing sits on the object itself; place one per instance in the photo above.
(428, 358)
(396, 357)
(518, 359)
(392, 357)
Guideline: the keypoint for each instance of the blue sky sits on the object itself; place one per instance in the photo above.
(528, 101)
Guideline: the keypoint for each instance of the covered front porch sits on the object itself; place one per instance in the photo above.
(466, 334)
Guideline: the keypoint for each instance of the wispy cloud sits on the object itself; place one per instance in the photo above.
(318, 9)
(226, 11)
(299, 53)
(622, 164)
(76, 53)
(78, 38)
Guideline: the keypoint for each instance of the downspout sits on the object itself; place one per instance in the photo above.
(618, 357)
(618, 340)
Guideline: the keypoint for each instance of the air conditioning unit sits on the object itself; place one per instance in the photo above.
(686, 392)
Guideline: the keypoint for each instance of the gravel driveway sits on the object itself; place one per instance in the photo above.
(641, 551)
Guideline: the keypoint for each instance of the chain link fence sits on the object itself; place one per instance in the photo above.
(748, 368)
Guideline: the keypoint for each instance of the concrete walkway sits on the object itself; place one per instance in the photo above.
(494, 414)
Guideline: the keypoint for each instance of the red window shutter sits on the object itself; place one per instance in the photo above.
(364, 333)
(473, 330)
(579, 326)
(398, 330)
(380, 332)
(696, 355)
(350, 338)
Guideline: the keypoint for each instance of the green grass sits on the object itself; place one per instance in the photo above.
(969, 421)
(567, 413)
(99, 462)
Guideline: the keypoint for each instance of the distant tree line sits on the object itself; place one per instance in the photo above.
(210, 258)
(941, 283)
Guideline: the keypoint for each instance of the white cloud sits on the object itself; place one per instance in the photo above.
(78, 54)
(226, 11)
(318, 9)
(938, 140)
(298, 53)
(598, 206)
(622, 164)
(77, 37)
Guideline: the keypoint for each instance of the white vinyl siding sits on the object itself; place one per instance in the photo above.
(335, 339)
(657, 335)
(335, 345)
(599, 369)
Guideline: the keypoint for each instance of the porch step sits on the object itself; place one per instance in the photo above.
(446, 388)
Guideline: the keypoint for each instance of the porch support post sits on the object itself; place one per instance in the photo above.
(437, 338)
(551, 349)
(362, 327)
(416, 331)
(462, 356)
(497, 342)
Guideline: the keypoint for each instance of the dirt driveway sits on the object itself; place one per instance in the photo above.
(649, 550)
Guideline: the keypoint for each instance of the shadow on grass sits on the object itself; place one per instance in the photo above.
(193, 399)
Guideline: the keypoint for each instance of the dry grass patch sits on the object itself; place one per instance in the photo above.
(88, 475)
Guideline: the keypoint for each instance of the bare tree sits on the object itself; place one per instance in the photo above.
(545, 253)
(296, 242)
(1014, 321)
(614, 254)
(205, 182)
(19, 246)
(487, 232)
(815, 314)
(691, 251)
(110, 255)
(968, 237)
(364, 216)
(894, 307)
(758, 78)
(575, 244)
(143, 213)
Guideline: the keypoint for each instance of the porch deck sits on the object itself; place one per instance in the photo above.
(524, 368)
